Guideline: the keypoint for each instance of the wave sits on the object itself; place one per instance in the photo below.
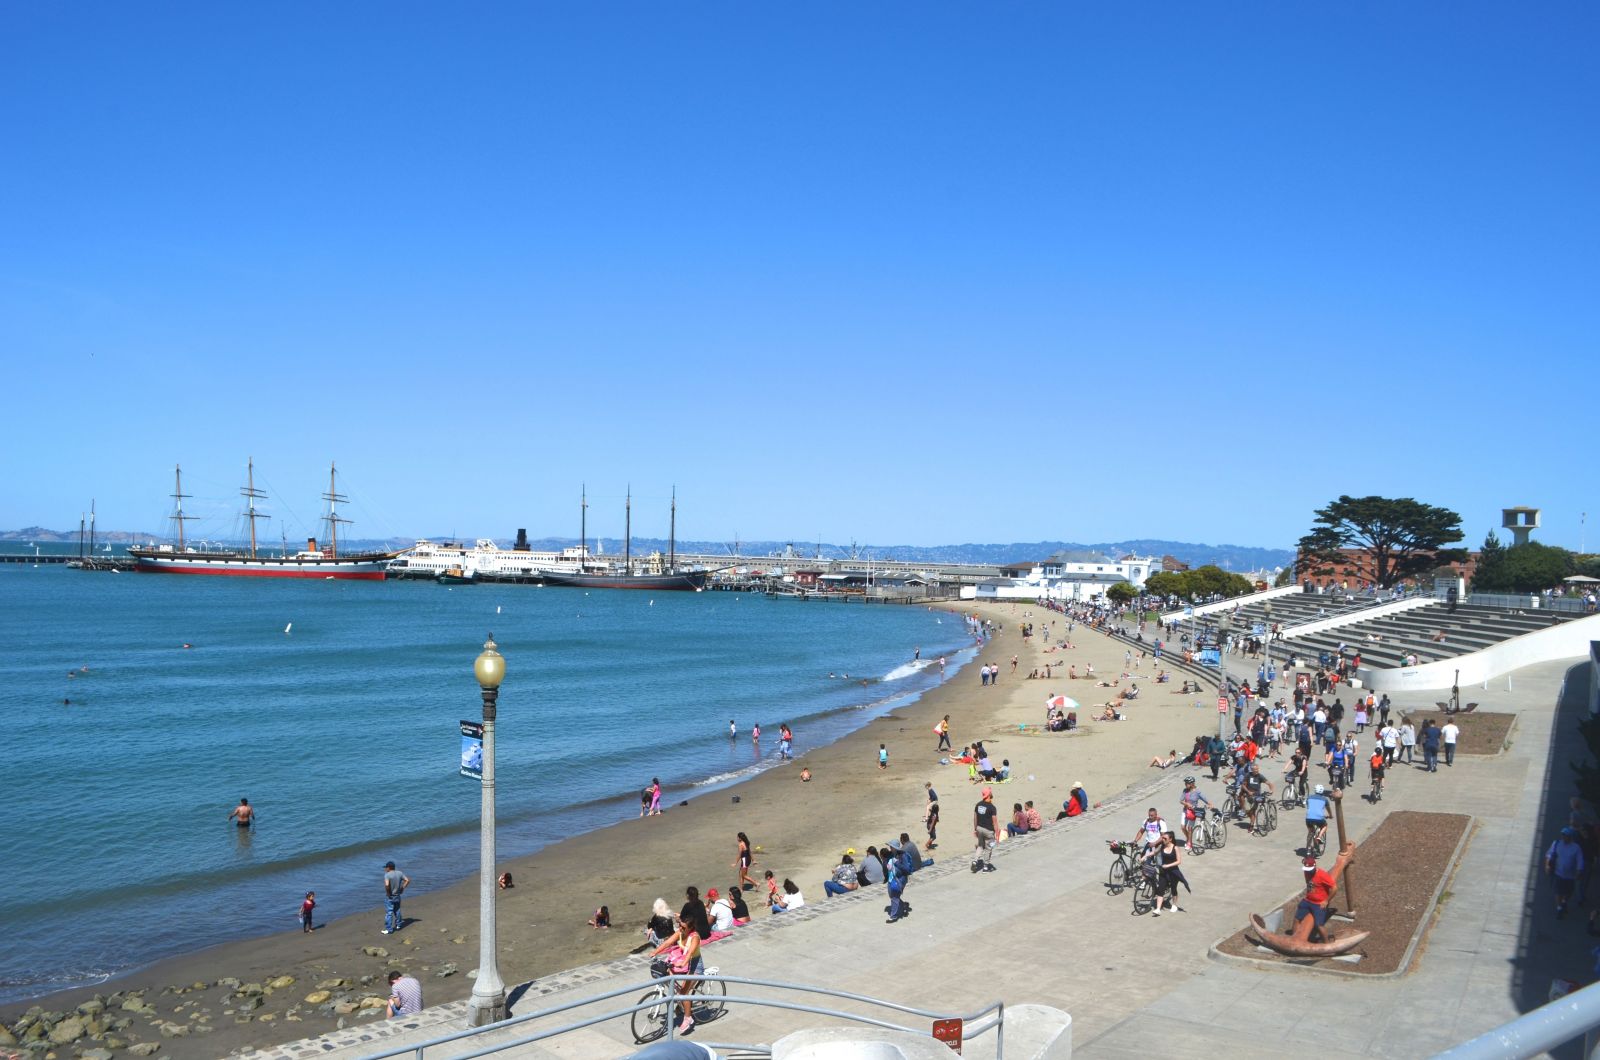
(913, 667)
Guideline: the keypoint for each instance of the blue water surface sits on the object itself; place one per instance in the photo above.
(344, 732)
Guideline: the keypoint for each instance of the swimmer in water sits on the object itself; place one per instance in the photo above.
(755, 733)
(244, 813)
(733, 730)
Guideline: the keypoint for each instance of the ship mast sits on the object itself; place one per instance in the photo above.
(627, 532)
(672, 534)
(91, 526)
(251, 494)
(583, 527)
(334, 499)
(178, 496)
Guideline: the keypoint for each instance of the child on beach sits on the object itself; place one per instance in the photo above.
(883, 756)
(655, 796)
(742, 862)
(305, 911)
(601, 918)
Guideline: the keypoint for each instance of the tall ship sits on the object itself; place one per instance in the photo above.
(310, 562)
(658, 573)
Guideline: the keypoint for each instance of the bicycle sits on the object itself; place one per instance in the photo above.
(1266, 815)
(1317, 841)
(1216, 829)
(1121, 866)
(1294, 791)
(1144, 889)
(649, 1024)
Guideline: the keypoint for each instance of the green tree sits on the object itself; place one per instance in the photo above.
(1491, 575)
(1532, 567)
(1121, 593)
(1168, 583)
(1403, 537)
(1285, 577)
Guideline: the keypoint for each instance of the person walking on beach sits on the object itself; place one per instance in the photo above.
(785, 741)
(243, 813)
(883, 756)
(655, 796)
(742, 862)
(943, 729)
(395, 883)
(306, 908)
(984, 822)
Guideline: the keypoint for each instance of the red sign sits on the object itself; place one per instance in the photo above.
(949, 1032)
(1222, 704)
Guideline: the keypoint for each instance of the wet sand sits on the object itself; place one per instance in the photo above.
(799, 831)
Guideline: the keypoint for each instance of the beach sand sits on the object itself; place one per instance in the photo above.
(799, 831)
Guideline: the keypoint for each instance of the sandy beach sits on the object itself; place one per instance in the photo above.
(799, 831)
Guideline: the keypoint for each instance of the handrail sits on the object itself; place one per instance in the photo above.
(1546, 1027)
(990, 1017)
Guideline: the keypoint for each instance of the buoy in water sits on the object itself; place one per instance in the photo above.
(288, 627)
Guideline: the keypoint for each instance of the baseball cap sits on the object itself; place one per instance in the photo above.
(986, 793)
(1076, 784)
(1570, 832)
(1309, 864)
(712, 893)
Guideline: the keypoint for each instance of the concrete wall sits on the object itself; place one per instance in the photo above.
(1307, 628)
(1237, 601)
(1569, 640)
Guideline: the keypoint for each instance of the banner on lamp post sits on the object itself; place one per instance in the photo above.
(472, 749)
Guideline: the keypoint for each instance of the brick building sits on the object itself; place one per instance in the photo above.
(1355, 568)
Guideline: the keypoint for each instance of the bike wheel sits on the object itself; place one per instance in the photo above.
(1272, 815)
(1143, 896)
(708, 995)
(1117, 878)
(648, 1024)
(1320, 846)
(1217, 833)
(1230, 806)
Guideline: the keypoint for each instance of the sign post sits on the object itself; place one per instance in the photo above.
(472, 749)
(948, 1032)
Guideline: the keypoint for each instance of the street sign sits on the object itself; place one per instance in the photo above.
(1222, 704)
(948, 1032)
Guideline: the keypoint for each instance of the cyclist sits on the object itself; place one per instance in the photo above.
(1316, 817)
(1150, 829)
(1192, 800)
(1337, 761)
(1294, 777)
(1255, 791)
(1377, 764)
(686, 960)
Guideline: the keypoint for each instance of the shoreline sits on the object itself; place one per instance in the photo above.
(626, 864)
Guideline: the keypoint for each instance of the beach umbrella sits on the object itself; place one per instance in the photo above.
(1062, 703)
(1582, 579)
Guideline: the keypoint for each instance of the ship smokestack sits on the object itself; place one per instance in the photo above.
(311, 544)
(522, 541)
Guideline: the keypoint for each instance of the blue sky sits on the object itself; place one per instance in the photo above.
(908, 273)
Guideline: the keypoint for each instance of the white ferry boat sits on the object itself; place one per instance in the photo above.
(484, 558)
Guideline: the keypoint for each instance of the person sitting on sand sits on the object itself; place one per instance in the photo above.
(1108, 713)
(1165, 763)
(601, 918)
(789, 899)
(735, 900)
(844, 878)
(721, 912)
(805, 775)
(661, 925)
(1072, 672)
(1005, 769)
(1162, 677)
(1131, 693)
(506, 882)
(1018, 825)
(1077, 802)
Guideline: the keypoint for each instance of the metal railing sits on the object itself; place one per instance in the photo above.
(989, 1018)
(1566, 1019)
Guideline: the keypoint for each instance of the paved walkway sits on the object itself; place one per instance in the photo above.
(1042, 929)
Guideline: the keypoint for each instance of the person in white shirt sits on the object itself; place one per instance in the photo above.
(1150, 829)
(1448, 733)
(1408, 741)
(1391, 743)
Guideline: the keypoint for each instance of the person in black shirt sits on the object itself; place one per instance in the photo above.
(984, 822)
(741, 912)
(694, 911)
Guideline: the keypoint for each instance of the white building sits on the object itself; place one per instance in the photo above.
(1066, 576)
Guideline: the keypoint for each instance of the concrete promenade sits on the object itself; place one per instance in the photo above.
(1042, 928)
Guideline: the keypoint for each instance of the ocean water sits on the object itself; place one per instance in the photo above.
(344, 733)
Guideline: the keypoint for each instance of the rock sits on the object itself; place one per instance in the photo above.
(95, 1054)
(174, 1030)
(473, 974)
(121, 1024)
(445, 971)
(282, 982)
(201, 1028)
(199, 986)
(134, 1004)
(366, 980)
(373, 1001)
(292, 1018)
(340, 1024)
(317, 997)
(405, 942)
(244, 1017)
(369, 1013)
(6, 1037)
(115, 1043)
(344, 1008)
(375, 951)
(252, 989)
(145, 1049)
(94, 1027)
(92, 1007)
(68, 1030)
(459, 939)
(266, 1017)
(228, 981)
(332, 984)
(250, 1004)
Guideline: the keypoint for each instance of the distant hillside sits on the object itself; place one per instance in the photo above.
(1228, 557)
